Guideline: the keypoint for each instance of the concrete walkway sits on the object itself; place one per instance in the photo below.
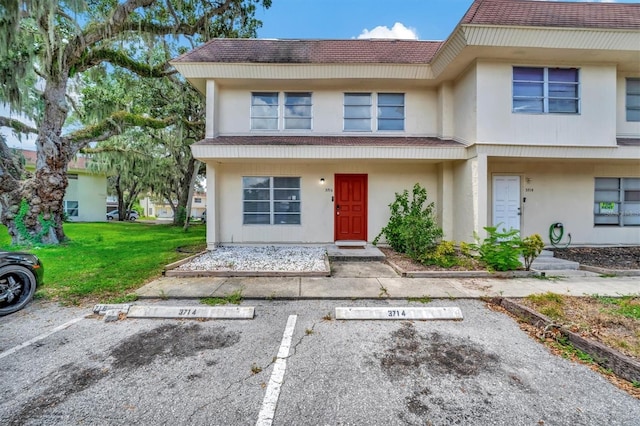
(373, 280)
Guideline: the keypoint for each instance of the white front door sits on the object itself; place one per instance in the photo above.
(506, 202)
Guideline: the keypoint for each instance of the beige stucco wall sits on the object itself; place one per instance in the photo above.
(90, 191)
(625, 129)
(563, 191)
(465, 107)
(420, 112)
(384, 179)
(594, 125)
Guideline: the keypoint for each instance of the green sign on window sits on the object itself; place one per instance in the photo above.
(607, 206)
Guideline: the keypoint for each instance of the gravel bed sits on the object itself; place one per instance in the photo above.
(269, 258)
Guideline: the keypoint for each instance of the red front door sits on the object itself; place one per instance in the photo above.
(350, 207)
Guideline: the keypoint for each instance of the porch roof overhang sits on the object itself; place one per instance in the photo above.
(328, 148)
(622, 151)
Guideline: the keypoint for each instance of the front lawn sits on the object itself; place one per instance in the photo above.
(108, 260)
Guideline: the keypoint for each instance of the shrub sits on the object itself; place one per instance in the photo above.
(500, 250)
(531, 248)
(412, 227)
(443, 255)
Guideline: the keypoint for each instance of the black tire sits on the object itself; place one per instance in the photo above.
(17, 286)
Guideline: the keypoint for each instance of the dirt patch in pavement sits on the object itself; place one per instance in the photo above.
(61, 384)
(170, 341)
(410, 352)
(410, 357)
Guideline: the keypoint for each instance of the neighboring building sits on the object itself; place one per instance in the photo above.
(86, 192)
(164, 211)
(527, 115)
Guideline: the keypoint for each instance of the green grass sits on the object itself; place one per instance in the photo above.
(234, 298)
(108, 260)
(626, 306)
(549, 304)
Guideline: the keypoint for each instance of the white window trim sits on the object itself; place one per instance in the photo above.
(281, 108)
(272, 201)
(545, 91)
(619, 210)
(67, 208)
(374, 119)
(627, 108)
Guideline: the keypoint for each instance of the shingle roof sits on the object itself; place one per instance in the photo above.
(313, 51)
(332, 141)
(554, 14)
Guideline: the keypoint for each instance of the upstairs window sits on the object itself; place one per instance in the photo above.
(390, 111)
(357, 112)
(633, 99)
(270, 200)
(546, 90)
(297, 111)
(264, 111)
(617, 201)
(358, 108)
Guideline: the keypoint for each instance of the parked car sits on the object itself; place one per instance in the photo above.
(20, 274)
(133, 215)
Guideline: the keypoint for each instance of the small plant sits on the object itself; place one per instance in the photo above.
(500, 251)
(131, 297)
(327, 317)
(531, 248)
(443, 255)
(383, 292)
(423, 299)
(308, 331)
(635, 384)
(412, 227)
(255, 369)
(163, 295)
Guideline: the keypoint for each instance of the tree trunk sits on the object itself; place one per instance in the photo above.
(39, 216)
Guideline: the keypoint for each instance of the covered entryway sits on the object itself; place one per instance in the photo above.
(506, 202)
(350, 207)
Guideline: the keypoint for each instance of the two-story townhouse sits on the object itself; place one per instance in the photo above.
(86, 192)
(527, 115)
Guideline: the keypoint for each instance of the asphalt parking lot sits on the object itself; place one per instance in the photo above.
(478, 371)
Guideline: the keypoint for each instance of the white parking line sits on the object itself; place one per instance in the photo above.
(40, 337)
(268, 410)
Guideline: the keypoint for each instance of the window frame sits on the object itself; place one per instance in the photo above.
(67, 209)
(254, 116)
(352, 106)
(616, 201)
(281, 116)
(275, 202)
(629, 93)
(285, 116)
(380, 119)
(547, 93)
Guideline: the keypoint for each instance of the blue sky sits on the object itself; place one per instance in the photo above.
(346, 19)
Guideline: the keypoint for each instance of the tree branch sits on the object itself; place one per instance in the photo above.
(17, 125)
(113, 126)
(118, 58)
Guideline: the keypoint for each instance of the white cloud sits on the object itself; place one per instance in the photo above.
(398, 31)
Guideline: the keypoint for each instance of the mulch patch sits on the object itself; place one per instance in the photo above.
(405, 263)
(602, 257)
